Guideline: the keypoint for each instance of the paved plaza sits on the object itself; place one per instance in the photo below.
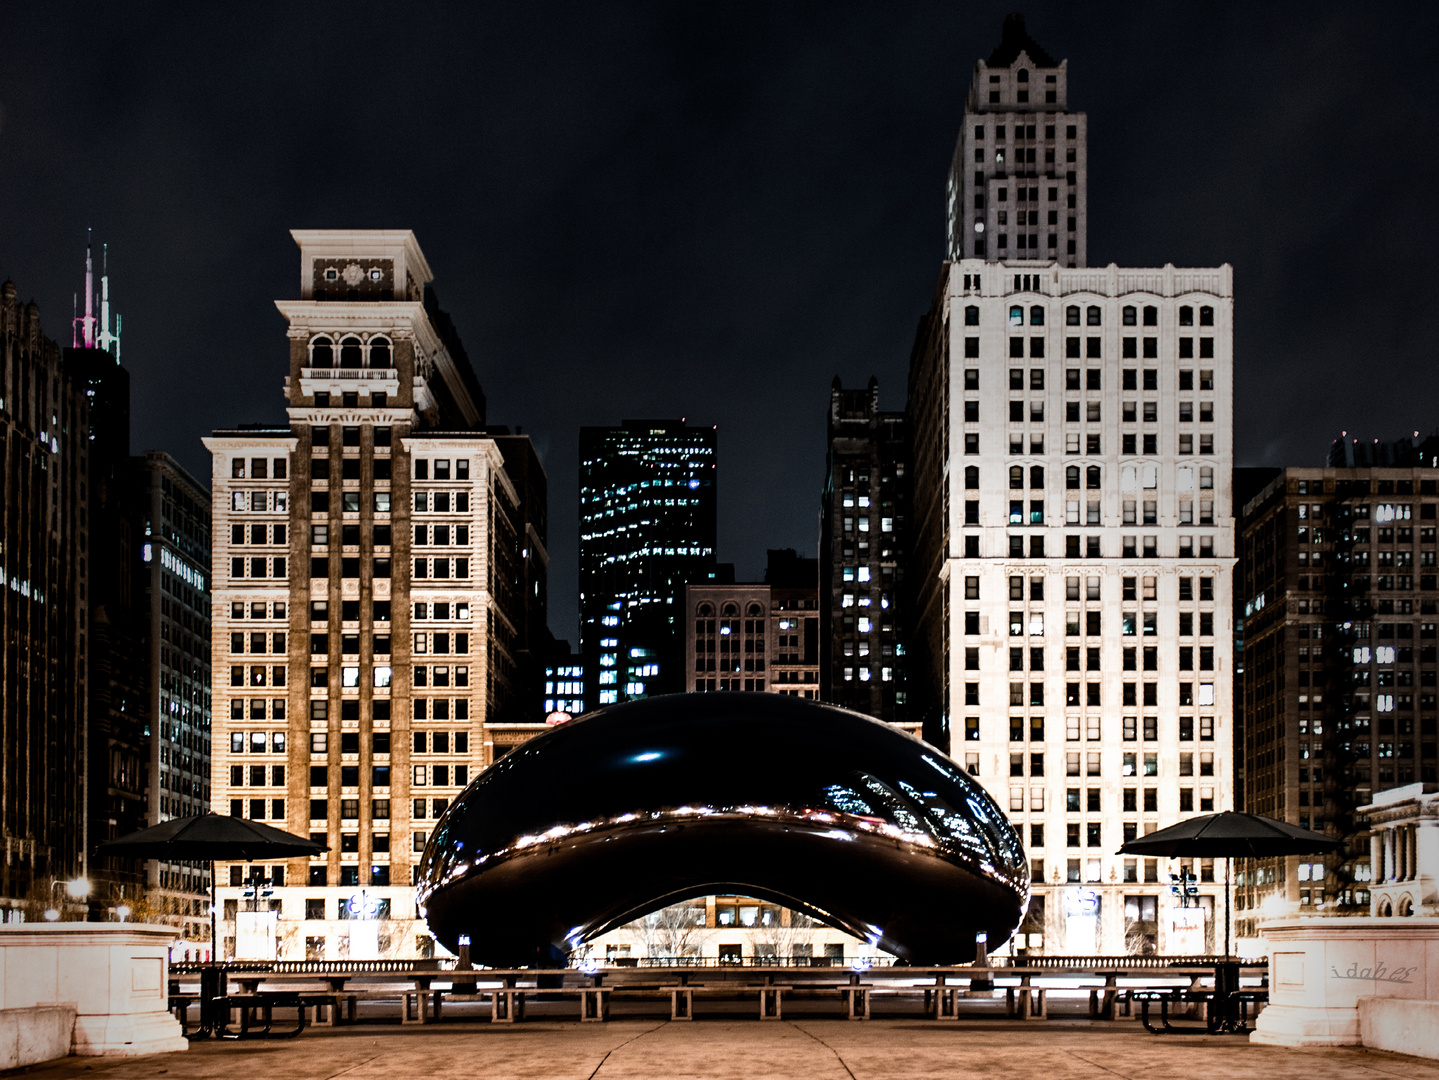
(799, 1049)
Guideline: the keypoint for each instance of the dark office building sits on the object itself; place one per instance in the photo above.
(44, 461)
(864, 522)
(119, 745)
(1340, 595)
(647, 529)
(173, 517)
(530, 562)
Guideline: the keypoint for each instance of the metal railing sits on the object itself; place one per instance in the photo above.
(1047, 963)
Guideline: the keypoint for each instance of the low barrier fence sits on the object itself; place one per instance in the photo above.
(1034, 963)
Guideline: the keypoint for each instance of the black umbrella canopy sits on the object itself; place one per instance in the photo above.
(210, 838)
(1230, 835)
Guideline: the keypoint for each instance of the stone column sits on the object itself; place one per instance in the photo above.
(1426, 866)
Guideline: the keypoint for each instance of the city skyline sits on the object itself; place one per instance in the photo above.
(695, 179)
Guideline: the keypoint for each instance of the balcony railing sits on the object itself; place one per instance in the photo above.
(378, 374)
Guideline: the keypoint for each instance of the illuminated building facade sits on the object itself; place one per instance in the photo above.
(564, 689)
(864, 544)
(647, 529)
(1073, 559)
(1018, 182)
(372, 562)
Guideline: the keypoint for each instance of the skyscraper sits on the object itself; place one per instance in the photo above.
(369, 584)
(863, 548)
(118, 716)
(1074, 549)
(647, 529)
(1018, 181)
(1339, 596)
(44, 579)
(173, 516)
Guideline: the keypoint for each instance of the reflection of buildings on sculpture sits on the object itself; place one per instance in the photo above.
(378, 580)
(730, 930)
(1404, 851)
(1073, 538)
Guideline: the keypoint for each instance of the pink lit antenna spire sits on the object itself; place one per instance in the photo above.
(84, 329)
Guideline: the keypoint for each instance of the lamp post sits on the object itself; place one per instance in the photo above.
(77, 889)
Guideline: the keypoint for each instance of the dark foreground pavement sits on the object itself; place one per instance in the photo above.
(799, 1049)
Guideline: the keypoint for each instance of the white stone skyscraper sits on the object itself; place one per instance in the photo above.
(1074, 552)
(1018, 178)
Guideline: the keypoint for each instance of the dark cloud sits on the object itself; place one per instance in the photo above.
(663, 209)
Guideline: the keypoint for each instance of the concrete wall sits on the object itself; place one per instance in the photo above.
(1320, 969)
(113, 976)
(1405, 1027)
(30, 1036)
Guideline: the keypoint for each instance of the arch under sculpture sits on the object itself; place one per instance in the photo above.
(638, 806)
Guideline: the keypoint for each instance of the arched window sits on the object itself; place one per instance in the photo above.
(1071, 477)
(1385, 910)
(971, 315)
(1036, 476)
(1130, 316)
(1016, 477)
(379, 352)
(1406, 906)
(1186, 316)
(1023, 75)
(1071, 315)
(1151, 315)
(1016, 316)
(705, 609)
(322, 353)
(1206, 316)
(1036, 316)
(730, 609)
(1093, 316)
(350, 352)
(1091, 477)
(754, 609)
(971, 477)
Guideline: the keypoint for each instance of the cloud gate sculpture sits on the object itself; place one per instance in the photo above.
(627, 810)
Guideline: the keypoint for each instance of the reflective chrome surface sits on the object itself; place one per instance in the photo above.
(637, 806)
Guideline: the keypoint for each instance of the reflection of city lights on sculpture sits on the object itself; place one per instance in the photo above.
(559, 841)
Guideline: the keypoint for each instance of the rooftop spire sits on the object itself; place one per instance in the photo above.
(84, 329)
(108, 341)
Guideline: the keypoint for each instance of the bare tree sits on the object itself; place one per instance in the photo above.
(675, 931)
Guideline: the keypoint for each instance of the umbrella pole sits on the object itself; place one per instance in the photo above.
(214, 941)
(1228, 888)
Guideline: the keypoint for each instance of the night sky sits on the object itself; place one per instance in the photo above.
(709, 211)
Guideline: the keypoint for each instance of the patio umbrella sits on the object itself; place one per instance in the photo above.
(1230, 835)
(210, 838)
